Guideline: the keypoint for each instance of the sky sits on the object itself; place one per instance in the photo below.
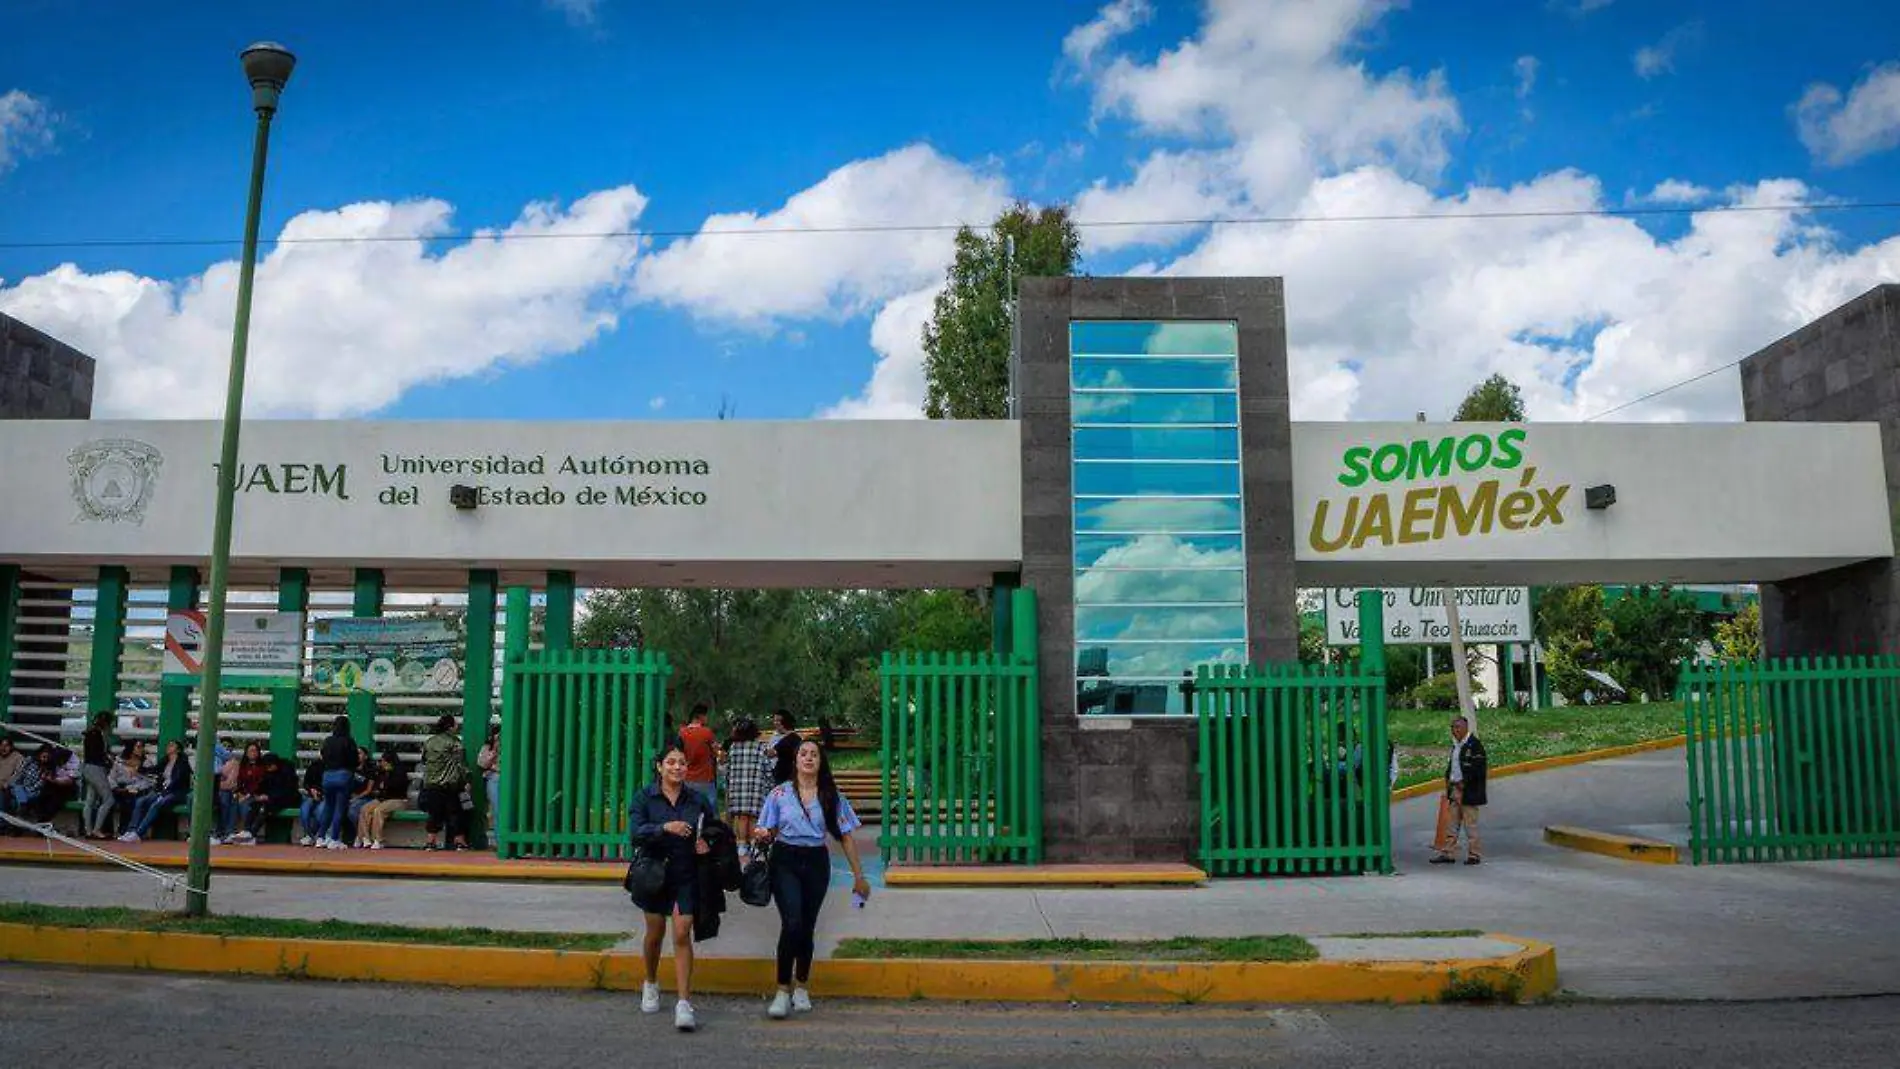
(548, 182)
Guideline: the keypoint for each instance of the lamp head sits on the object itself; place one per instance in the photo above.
(268, 65)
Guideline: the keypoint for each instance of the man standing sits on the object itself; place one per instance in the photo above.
(1464, 795)
(702, 756)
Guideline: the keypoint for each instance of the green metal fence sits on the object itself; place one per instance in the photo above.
(1294, 769)
(962, 752)
(580, 731)
(1793, 760)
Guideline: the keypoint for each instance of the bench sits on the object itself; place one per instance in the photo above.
(280, 827)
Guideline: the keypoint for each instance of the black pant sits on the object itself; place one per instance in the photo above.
(443, 805)
(800, 876)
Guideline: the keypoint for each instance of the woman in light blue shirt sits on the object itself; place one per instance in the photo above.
(796, 818)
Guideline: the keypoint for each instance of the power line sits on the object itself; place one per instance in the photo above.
(925, 228)
(1672, 386)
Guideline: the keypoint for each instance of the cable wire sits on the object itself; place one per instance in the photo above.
(1672, 386)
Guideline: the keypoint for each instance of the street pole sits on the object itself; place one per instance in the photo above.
(268, 67)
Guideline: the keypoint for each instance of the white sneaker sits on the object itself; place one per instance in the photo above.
(244, 837)
(362, 844)
(683, 1018)
(649, 998)
(376, 844)
(129, 837)
(337, 844)
(306, 841)
(801, 1000)
(781, 1006)
(217, 840)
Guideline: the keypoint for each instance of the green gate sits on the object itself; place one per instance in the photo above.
(1793, 760)
(580, 731)
(962, 752)
(1293, 764)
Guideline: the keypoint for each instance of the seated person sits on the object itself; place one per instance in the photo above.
(312, 813)
(129, 782)
(392, 796)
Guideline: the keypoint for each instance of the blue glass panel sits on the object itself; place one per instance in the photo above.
(1139, 514)
(1155, 407)
(1134, 337)
(1197, 622)
(1129, 697)
(1163, 661)
(1136, 479)
(1154, 373)
(1157, 443)
(1102, 586)
(1159, 551)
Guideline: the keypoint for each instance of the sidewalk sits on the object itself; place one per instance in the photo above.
(1621, 930)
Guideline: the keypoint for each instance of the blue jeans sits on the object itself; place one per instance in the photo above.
(227, 814)
(337, 783)
(357, 805)
(708, 791)
(147, 810)
(16, 799)
(313, 816)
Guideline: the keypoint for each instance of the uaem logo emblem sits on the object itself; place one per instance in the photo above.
(113, 479)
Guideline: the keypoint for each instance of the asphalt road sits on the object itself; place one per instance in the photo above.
(61, 1017)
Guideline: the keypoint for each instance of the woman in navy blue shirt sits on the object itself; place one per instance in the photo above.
(666, 821)
(796, 818)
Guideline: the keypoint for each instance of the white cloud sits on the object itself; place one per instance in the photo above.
(343, 328)
(1168, 186)
(755, 279)
(896, 389)
(1579, 7)
(1839, 130)
(1526, 70)
(578, 12)
(654, 404)
(1660, 58)
(26, 127)
(1087, 40)
(1676, 191)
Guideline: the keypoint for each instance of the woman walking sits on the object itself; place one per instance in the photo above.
(666, 821)
(796, 818)
(748, 764)
(338, 755)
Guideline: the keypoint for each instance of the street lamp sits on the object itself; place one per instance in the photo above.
(267, 65)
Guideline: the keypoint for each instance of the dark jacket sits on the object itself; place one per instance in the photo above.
(393, 785)
(280, 784)
(716, 872)
(97, 753)
(179, 781)
(313, 777)
(339, 753)
(1472, 763)
(651, 812)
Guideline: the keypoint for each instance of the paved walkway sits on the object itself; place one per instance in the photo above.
(1621, 929)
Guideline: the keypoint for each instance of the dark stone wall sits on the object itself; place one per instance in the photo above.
(41, 377)
(1843, 367)
(1126, 789)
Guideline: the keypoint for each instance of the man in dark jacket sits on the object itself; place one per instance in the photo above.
(1464, 795)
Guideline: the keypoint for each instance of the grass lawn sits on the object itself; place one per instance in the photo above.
(1185, 948)
(273, 928)
(854, 760)
(1423, 737)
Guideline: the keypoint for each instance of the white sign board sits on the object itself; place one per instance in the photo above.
(261, 649)
(1415, 616)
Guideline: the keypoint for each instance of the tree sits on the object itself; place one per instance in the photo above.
(1738, 638)
(967, 341)
(1495, 400)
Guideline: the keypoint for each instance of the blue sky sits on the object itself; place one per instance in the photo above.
(404, 120)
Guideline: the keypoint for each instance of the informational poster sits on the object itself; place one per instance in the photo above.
(1415, 616)
(385, 655)
(261, 649)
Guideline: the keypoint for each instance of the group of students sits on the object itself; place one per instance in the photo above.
(348, 797)
(121, 795)
(783, 804)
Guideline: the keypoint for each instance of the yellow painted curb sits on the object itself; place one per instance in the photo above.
(1530, 973)
(329, 866)
(1005, 876)
(1419, 790)
(1610, 844)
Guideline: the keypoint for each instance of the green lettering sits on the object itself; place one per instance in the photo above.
(260, 476)
(1386, 472)
(330, 481)
(1355, 460)
(296, 478)
(1430, 459)
(1509, 456)
(1466, 460)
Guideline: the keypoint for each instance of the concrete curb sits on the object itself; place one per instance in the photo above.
(1611, 844)
(1419, 790)
(1530, 973)
(900, 876)
(328, 864)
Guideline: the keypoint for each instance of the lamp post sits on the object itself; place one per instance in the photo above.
(267, 65)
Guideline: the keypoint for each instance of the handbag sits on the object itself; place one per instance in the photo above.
(755, 883)
(645, 878)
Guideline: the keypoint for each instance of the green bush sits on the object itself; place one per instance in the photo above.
(1438, 692)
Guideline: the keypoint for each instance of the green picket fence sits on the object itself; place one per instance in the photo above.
(1793, 760)
(1294, 766)
(962, 758)
(580, 732)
